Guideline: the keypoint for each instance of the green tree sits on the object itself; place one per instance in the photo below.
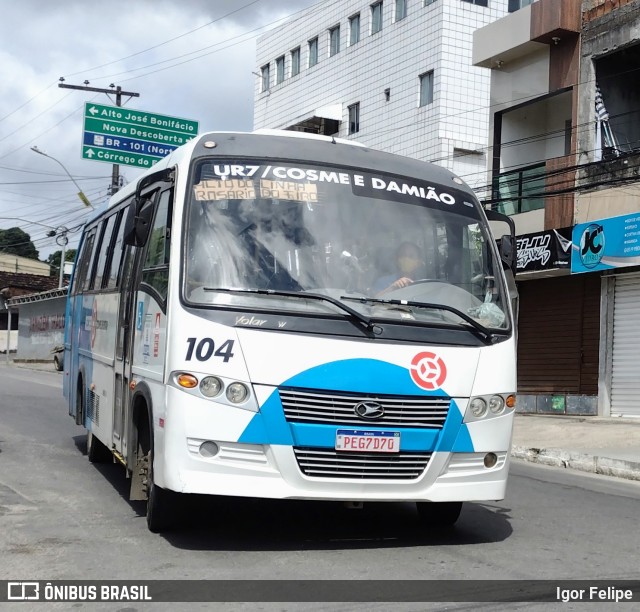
(17, 242)
(54, 259)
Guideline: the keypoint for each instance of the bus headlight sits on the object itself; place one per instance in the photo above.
(496, 404)
(237, 393)
(210, 386)
(490, 406)
(478, 407)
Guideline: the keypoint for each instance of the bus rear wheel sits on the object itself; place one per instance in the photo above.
(439, 514)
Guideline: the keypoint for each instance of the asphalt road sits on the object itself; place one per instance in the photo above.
(63, 518)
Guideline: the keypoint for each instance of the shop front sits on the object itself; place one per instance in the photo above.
(611, 248)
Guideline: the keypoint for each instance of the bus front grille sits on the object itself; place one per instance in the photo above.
(328, 463)
(338, 408)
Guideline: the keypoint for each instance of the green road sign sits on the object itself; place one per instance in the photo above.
(118, 157)
(119, 135)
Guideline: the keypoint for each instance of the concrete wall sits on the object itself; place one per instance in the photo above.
(13, 341)
(23, 265)
(40, 328)
(504, 40)
(606, 203)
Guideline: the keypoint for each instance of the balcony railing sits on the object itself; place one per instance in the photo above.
(520, 190)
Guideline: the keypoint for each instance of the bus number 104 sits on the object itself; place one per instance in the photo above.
(205, 348)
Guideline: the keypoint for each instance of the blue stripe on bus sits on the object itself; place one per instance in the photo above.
(369, 376)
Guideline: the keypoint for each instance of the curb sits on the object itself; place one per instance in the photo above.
(606, 466)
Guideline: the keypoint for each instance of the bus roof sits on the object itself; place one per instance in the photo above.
(290, 146)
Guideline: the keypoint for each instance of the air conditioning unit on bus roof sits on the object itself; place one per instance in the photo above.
(307, 135)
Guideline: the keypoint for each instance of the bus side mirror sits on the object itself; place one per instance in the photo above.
(508, 243)
(138, 223)
(508, 252)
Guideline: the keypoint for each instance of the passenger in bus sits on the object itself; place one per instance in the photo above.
(409, 262)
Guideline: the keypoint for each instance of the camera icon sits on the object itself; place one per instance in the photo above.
(23, 591)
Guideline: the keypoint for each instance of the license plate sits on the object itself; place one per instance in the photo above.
(357, 440)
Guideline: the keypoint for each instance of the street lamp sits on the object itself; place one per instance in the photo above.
(59, 232)
(81, 195)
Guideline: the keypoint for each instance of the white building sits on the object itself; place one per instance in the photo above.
(395, 75)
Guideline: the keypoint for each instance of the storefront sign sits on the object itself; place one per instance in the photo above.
(606, 244)
(544, 251)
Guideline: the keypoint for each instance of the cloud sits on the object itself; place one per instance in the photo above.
(204, 75)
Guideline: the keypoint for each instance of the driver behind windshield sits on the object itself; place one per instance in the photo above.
(409, 262)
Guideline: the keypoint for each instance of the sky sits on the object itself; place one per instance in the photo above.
(193, 59)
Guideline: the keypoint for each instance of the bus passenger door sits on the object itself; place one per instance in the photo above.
(124, 341)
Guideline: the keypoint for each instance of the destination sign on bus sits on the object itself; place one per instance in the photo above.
(118, 135)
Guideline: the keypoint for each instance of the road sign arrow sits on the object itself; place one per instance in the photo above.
(93, 110)
(90, 153)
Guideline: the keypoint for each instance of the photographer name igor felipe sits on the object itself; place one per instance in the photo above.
(594, 593)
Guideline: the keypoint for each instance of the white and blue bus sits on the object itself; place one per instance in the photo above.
(279, 315)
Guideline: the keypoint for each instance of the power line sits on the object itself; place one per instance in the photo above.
(128, 57)
(27, 102)
(164, 42)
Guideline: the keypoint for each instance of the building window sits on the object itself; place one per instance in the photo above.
(516, 5)
(354, 118)
(401, 9)
(478, 2)
(354, 29)
(280, 69)
(428, 2)
(264, 71)
(426, 88)
(313, 52)
(376, 17)
(334, 40)
(295, 61)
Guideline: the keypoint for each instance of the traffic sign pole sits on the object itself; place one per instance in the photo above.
(115, 172)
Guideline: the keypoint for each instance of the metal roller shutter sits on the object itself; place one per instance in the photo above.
(625, 367)
(558, 335)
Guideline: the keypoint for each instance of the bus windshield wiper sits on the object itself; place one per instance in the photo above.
(355, 315)
(478, 327)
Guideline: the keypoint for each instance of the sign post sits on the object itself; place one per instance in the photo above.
(118, 135)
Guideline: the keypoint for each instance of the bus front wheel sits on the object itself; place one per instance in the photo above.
(439, 514)
(161, 503)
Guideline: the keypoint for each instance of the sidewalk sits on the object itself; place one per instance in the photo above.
(609, 446)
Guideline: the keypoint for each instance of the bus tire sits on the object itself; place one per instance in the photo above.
(97, 452)
(161, 503)
(439, 514)
(80, 402)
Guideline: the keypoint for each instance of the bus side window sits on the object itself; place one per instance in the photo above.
(103, 254)
(80, 276)
(155, 270)
(91, 269)
(117, 251)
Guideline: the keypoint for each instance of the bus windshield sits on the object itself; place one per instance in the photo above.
(388, 246)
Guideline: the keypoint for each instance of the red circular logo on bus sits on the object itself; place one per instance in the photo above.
(428, 371)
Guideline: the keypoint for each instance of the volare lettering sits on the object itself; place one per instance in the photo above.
(253, 321)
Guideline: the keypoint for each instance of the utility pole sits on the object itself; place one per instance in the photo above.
(115, 173)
